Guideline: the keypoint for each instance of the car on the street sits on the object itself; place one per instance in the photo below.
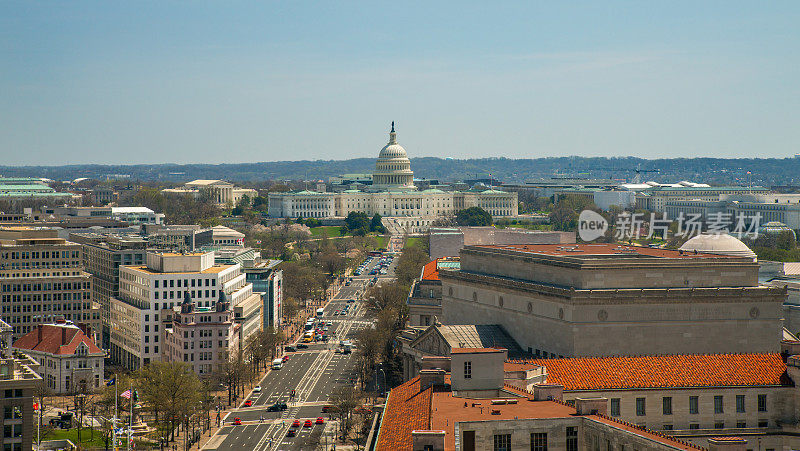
(325, 329)
(308, 424)
(290, 349)
(320, 420)
(302, 346)
(291, 433)
(347, 284)
(279, 406)
(296, 424)
(327, 408)
(285, 358)
(248, 403)
(329, 323)
(349, 301)
(237, 421)
(257, 389)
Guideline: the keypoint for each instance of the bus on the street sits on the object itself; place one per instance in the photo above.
(320, 312)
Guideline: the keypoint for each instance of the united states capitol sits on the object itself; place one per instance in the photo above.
(393, 195)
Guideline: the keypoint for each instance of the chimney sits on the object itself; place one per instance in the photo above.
(39, 333)
(727, 444)
(591, 406)
(431, 377)
(427, 440)
(547, 392)
(63, 336)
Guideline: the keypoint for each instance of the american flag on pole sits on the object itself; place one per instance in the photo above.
(126, 394)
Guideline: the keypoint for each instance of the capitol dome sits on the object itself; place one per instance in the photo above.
(722, 244)
(393, 168)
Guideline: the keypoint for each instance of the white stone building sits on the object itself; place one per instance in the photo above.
(70, 361)
(393, 196)
(137, 321)
(221, 192)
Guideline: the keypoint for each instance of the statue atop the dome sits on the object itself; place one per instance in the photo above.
(392, 126)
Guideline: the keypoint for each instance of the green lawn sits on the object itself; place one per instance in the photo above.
(413, 241)
(381, 241)
(329, 231)
(72, 435)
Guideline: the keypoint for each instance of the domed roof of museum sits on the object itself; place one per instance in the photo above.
(722, 244)
(392, 149)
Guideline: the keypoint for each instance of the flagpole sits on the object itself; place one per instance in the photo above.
(114, 420)
(130, 426)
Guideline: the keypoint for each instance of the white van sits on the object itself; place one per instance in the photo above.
(277, 364)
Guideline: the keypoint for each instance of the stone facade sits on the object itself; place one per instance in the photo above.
(622, 302)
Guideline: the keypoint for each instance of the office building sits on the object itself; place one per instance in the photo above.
(103, 255)
(161, 284)
(18, 383)
(42, 279)
(198, 336)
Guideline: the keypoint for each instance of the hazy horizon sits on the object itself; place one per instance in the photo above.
(239, 82)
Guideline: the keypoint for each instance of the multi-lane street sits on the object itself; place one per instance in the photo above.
(313, 373)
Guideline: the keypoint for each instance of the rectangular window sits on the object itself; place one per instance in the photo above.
(718, 406)
(502, 442)
(667, 427)
(694, 405)
(539, 441)
(763, 423)
(615, 407)
(667, 405)
(741, 424)
(468, 370)
(694, 426)
(719, 425)
(739, 403)
(640, 407)
(572, 439)
(762, 403)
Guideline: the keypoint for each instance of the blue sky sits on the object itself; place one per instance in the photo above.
(214, 82)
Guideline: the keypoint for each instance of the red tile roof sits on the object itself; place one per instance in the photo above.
(431, 270)
(57, 339)
(674, 371)
(407, 409)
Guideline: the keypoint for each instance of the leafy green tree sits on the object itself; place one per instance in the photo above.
(473, 216)
(357, 222)
(376, 225)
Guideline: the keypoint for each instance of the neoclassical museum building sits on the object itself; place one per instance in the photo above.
(393, 196)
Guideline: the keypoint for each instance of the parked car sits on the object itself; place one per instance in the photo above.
(248, 403)
(291, 433)
(257, 389)
(237, 421)
(320, 420)
(308, 424)
(296, 424)
(302, 346)
(290, 349)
